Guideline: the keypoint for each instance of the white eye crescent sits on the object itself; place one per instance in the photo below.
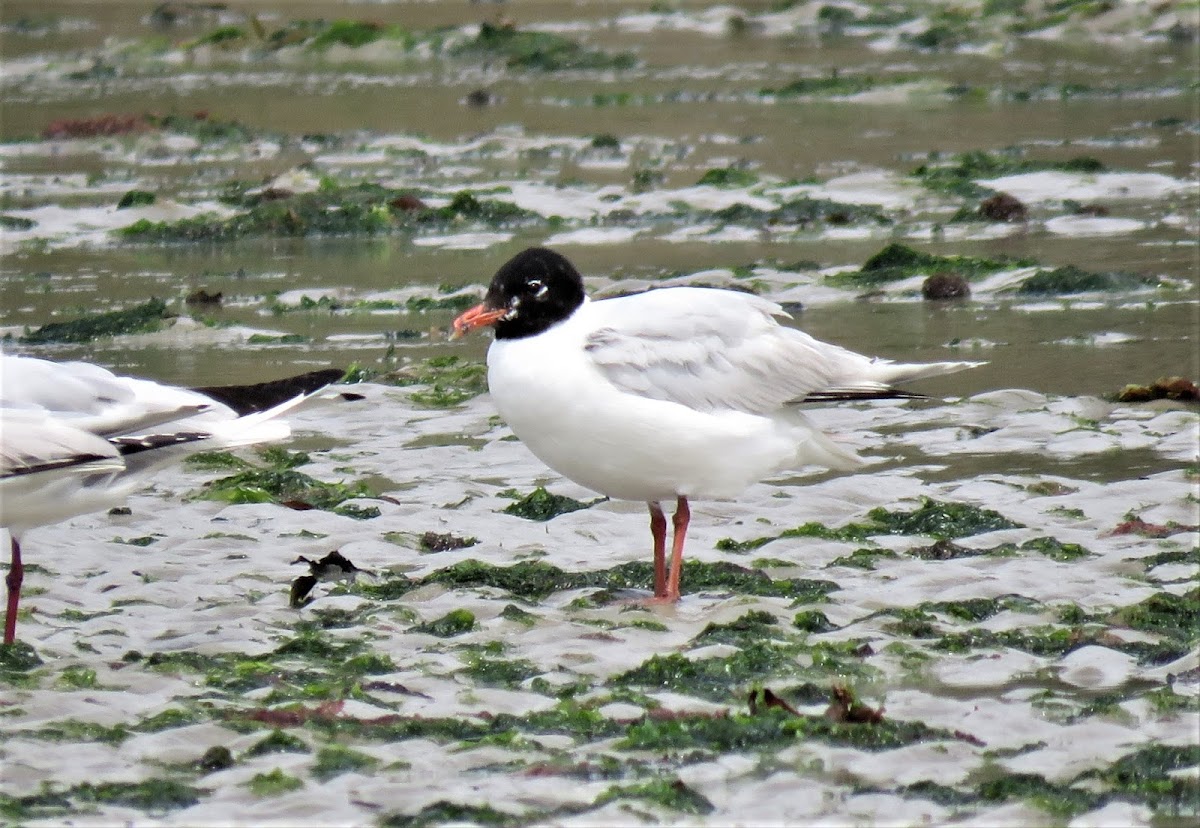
(538, 287)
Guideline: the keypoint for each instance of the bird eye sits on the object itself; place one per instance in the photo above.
(537, 287)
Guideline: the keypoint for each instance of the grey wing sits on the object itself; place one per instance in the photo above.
(32, 442)
(709, 350)
(92, 398)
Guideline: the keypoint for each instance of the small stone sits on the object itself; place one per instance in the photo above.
(1003, 207)
(945, 286)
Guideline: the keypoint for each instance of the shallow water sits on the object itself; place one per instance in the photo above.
(1032, 435)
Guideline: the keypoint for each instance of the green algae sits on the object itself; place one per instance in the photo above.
(8, 222)
(834, 84)
(273, 783)
(512, 612)
(938, 519)
(146, 795)
(74, 730)
(1038, 640)
(898, 261)
(43, 805)
(747, 629)
(445, 812)
(313, 35)
(812, 529)
(1055, 549)
(143, 541)
(803, 211)
(1146, 776)
(971, 610)
(1071, 279)
(334, 760)
(354, 34)
(424, 304)
(958, 175)
(447, 381)
(912, 622)
(862, 558)
(439, 541)
(78, 677)
(535, 580)
(455, 622)
(310, 665)
(220, 36)
(147, 317)
(541, 505)
(202, 127)
(498, 672)
(355, 209)
(136, 198)
(541, 51)
(150, 795)
(648, 624)
(812, 621)
(669, 793)
(727, 177)
(713, 678)
(532, 580)
(214, 461)
(260, 485)
(1060, 801)
(1174, 616)
(773, 729)
(936, 792)
(169, 719)
(1190, 556)
(278, 741)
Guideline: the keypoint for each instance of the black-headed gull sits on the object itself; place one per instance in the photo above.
(673, 393)
(76, 438)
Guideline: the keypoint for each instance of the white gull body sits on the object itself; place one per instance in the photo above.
(678, 392)
(673, 393)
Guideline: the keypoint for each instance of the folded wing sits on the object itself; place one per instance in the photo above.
(721, 350)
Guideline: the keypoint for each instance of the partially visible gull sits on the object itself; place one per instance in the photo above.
(76, 438)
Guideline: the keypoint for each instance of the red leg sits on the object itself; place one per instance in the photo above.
(658, 528)
(682, 515)
(16, 574)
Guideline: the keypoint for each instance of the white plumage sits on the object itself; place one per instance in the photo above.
(76, 438)
(673, 393)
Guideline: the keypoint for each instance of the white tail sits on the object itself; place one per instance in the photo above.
(889, 373)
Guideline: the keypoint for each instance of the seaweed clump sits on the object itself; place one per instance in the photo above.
(358, 209)
(534, 580)
(898, 261)
(447, 381)
(831, 85)
(147, 317)
(281, 483)
(803, 211)
(540, 50)
(958, 177)
(938, 519)
(541, 505)
(1072, 279)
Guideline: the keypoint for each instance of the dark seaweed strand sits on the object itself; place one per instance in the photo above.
(129, 446)
(51, 465)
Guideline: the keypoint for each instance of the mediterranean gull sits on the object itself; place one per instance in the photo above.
(673, 393)
(76, 438)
